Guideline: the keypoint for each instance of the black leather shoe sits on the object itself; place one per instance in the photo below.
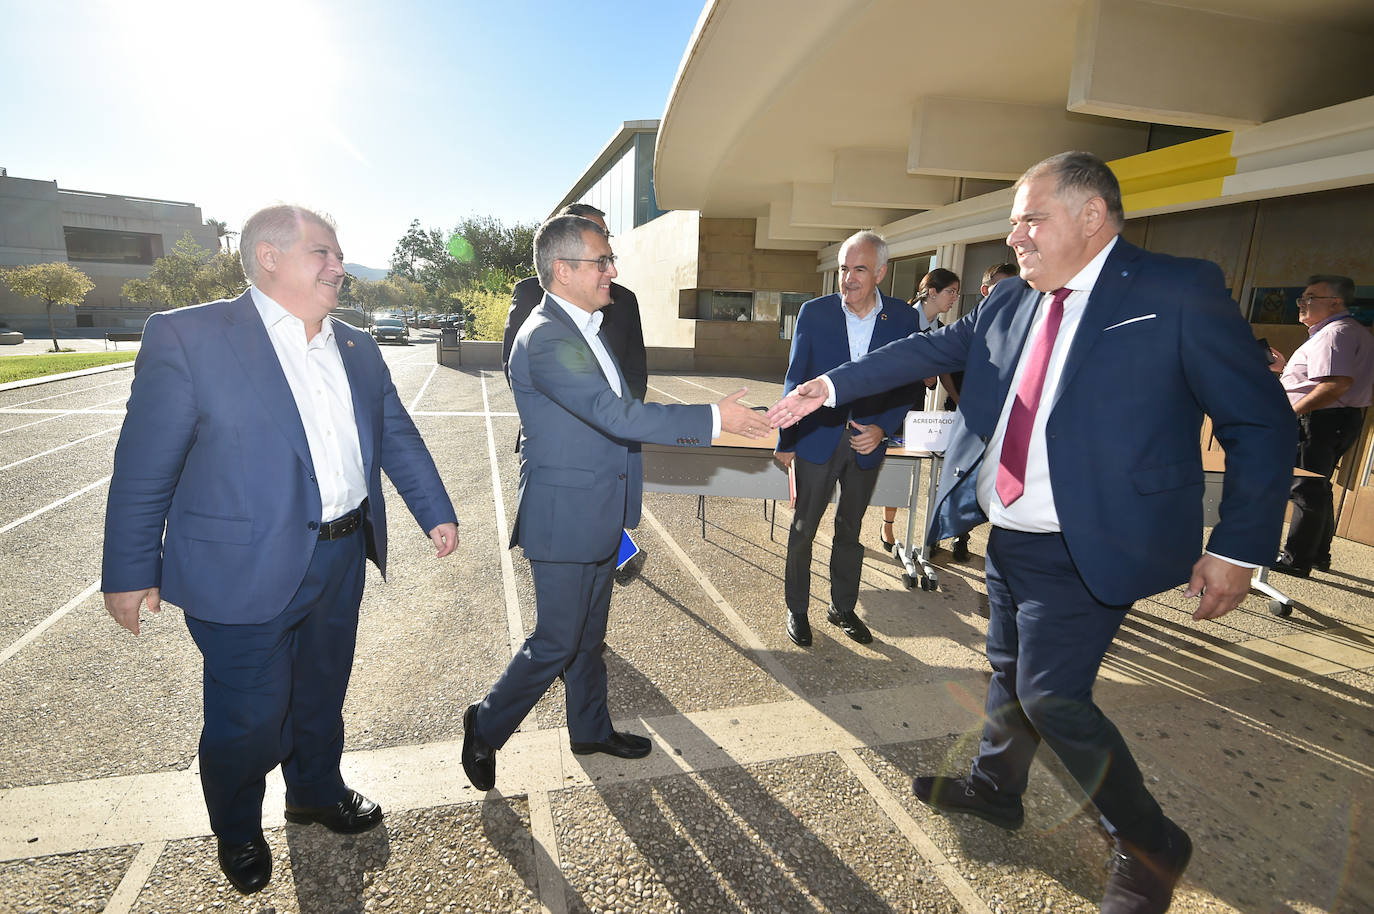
(945, 795)
(248, 864)
(850, 624)
(799, 630)
(353, 814)
(1284, 566)
(1143, 883)
(1322, 564)
(621, 745)
(961, 549)
(479, 759)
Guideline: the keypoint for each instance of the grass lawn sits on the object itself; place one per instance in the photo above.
(21, 367)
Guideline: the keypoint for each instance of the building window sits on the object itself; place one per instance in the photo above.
(724, 305)
(103, 246)
(790, 306)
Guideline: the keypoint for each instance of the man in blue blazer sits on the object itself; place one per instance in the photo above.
(1077, 436)
(844, 445)
(255, 437)
(580, 484)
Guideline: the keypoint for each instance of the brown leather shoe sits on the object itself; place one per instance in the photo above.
(1143, 882)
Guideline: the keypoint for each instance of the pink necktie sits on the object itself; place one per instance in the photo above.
(1011, 469)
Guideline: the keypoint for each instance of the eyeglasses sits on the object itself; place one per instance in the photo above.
(1309, 299)
(603, 263)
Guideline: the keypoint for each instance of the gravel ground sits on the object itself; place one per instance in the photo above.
(474, 857)
(784, 836)
(65, 884)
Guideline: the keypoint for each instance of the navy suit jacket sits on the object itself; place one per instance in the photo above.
(213, 448)
(820, 343)
(1160, 343)
(621, 328)
(581, 479)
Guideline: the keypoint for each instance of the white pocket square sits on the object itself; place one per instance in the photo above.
(1143, 317)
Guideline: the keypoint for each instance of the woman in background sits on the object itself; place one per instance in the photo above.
(937, 292)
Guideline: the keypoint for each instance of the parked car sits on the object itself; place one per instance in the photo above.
(391, 330)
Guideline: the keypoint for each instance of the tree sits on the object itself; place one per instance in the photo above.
(55, 283)
(189, 275)
(222, 231)
(449, 269)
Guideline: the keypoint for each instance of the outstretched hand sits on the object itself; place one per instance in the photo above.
(803, 400)
(739, 419)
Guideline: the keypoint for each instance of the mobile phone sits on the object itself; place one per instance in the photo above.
(1268, 355)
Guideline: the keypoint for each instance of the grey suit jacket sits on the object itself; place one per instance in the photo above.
(580, 481)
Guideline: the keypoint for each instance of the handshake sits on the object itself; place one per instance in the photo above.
(791, 409)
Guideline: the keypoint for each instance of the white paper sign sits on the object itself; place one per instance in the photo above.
(927, 431)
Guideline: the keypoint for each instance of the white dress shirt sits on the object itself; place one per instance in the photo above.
(589, 324)
(1034, 511)
(315, 373)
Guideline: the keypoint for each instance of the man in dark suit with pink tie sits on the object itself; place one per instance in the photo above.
(1077, 437)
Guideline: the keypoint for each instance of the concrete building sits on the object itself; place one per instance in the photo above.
(1242, 132)
(109, 237)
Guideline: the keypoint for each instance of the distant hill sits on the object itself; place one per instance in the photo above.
(363, 272)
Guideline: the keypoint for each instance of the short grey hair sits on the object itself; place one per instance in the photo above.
(561, 238)
(1080, 171)
(873, 239)
(585, 210)
(1343, 286)
(280, 226)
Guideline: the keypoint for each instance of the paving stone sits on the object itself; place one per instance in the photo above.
(63, 884)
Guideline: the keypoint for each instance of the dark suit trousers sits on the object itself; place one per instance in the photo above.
(815, 483)
(274, 695)
(1046, 639)
(572, 601)
(1324, 435)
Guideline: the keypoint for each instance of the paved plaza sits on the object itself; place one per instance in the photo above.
(780, 777)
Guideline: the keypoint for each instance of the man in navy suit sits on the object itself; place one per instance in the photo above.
(844, 446)
(1077, 436)
(620, 321)
(256, 434)
(580, 484)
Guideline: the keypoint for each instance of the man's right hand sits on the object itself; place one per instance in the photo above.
(804, 400)
(124, 605)
(739, 419)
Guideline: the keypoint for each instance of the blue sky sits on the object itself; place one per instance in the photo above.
(376, 112)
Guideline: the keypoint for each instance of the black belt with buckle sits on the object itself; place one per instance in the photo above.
(342, 526)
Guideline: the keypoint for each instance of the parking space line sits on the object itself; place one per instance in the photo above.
(97, 410)
(470, 415)
(43, 626)
(666, 394)
(67, 394)
(515, 625)
(46, 508)
(429, 377)
(54, 450)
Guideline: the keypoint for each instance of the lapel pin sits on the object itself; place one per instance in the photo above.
(350, 344)
(883, 316)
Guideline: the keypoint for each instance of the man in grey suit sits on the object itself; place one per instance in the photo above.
(580, 483)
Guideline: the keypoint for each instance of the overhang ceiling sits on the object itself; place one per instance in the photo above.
(890, 107)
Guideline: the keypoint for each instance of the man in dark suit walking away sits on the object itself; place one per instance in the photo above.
(256, 434)
(580, 484)
(1077, 436)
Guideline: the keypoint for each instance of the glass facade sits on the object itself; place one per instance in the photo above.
(103, 246)
(625, 190)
